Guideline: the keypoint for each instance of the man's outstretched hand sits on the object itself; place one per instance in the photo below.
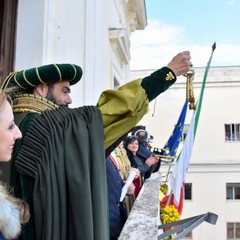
(181, 63)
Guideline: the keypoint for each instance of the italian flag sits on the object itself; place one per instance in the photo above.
(180, 169)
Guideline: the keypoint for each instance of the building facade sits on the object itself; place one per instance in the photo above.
(213, 177)
(94, 34)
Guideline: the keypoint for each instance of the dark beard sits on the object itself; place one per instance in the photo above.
(51, 98)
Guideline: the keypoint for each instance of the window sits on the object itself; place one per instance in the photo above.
(233, 231)
(188, 191)
(233, 191)
(232, 132)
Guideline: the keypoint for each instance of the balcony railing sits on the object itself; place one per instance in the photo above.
(144, 222)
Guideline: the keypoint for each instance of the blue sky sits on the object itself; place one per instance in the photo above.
(178, 25)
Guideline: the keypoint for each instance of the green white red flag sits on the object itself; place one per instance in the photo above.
(180, 169)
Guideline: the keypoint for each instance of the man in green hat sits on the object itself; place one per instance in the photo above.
(59, 165)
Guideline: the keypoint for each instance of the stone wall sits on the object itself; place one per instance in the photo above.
(144, 218)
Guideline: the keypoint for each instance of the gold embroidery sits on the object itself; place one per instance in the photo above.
(123, 161)
(32, 103)
(170, 76)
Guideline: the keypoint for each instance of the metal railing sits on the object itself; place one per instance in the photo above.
(182, 227)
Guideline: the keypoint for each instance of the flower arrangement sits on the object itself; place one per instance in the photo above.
(169, 214)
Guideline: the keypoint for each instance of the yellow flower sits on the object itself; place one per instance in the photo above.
(169, 214)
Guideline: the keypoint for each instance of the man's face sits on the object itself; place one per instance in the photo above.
(59, 93)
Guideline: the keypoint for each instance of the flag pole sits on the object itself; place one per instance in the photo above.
(184, 151)
(199, 104)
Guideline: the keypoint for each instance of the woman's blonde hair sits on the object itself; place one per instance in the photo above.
(5, 95)
(22, 206)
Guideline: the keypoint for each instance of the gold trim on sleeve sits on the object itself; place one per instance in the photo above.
(170, 76)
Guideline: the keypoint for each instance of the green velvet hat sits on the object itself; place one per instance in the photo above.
(30, 78)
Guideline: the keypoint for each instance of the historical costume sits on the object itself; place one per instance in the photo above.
(59, 165)
(125, 168)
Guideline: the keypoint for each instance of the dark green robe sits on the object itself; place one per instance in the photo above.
(63, 154)
(60, 161)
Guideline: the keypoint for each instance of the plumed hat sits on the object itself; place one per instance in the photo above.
(30, 78)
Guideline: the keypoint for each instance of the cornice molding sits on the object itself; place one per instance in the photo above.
(136, 14)
(120, 43)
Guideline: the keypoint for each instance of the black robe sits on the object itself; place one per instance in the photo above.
(63, 155)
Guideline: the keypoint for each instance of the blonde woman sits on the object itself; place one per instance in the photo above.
(13, 211)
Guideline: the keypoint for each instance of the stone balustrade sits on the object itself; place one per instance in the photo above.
(144, 217)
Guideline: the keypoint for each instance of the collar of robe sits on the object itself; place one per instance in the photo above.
(32, 103)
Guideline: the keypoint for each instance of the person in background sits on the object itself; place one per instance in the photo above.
(125, 167)
(131, 145)
(144, 152)
(13, 211)
(117, 210)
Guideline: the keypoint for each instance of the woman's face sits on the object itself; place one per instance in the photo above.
(133, 146)
(9, 132)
